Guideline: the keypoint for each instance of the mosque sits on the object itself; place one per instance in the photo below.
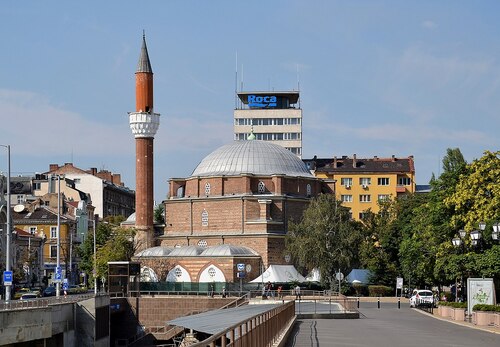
(229, 218)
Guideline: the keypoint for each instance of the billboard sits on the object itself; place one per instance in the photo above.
(480, 291)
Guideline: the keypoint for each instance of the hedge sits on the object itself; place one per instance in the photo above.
(380, 291)
(453, 304)
(483, 307)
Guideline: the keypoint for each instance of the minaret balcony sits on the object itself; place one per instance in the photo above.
(144, 124)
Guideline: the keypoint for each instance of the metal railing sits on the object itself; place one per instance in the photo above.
(261, 330)
(42, 302)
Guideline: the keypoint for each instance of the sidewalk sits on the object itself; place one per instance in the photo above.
(491, 329)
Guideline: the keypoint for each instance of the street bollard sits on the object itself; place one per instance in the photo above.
(399, 303)
(358, 302)
(378, 302)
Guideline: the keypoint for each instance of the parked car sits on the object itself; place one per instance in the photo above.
(28, 296)
(422, 297)
(49, 291)
(20, 292)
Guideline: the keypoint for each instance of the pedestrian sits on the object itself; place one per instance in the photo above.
(211, 290)
(280, 292)
(297, 292)
(223, 292)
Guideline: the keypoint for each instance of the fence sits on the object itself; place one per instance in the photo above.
(42, 302)
(261, 330)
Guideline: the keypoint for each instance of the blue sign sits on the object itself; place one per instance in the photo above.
(65, 284)
(7, 278)
(240, 275)
(262, 101)
(240, 267)
(58, 274)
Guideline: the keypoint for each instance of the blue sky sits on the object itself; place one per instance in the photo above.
(376, 78)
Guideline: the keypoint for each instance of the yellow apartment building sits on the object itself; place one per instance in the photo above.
(360, 183)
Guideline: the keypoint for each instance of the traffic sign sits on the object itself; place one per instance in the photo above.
(65, 284)
(7, 278)
(240, 267)
(399, 283)
(339, 276)
(240, 274)
(58, 275)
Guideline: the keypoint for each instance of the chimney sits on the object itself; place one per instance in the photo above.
(354, 160)
(335, 162)
(93, 171)
(68, 164)
(117, 179)
(393, 158)
(375, 157)
(53, 167)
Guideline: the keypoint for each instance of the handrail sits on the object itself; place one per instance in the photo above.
(42, 302)
(262, 329)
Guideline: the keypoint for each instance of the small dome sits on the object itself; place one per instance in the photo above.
(252, 157)
(227, 250)
(159, 251)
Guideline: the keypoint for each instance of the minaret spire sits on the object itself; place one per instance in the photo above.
(144, 123)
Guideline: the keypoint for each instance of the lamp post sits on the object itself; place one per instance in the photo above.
(58, 263)
(9, 227)
(95, 259)
(496, 231)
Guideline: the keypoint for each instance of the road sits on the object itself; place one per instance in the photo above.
(387, 326)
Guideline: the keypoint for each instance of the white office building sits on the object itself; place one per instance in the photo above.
(270, 116)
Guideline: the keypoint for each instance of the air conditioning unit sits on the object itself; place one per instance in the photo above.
(365, 186)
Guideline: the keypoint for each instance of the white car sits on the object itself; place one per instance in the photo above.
(422, 297)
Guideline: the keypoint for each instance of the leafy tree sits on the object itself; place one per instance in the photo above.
(477, 194)
(118, 247)
(326, 238)
(159, 214)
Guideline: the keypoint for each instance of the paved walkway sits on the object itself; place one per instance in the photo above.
(388, 326)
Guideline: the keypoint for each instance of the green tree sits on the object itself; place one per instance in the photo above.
(326, 238)
(159, 214)
(118, 247)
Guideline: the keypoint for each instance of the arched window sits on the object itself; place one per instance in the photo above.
(204, 218)
(207, 188)
(202, 243)
(262, 187)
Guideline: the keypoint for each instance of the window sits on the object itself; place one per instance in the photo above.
(211, 272)
(261, 187)
(202, 243)
(53, 232)
(77, 180)
(178, 272)
(53, 251)
(363, 215)
(207, 188)
(20, 199)
(37, 186)
(404, 181)
(365, 181)
(346, 182)
(32, 230)
(383, 181)
(346, 198)
(308, 190)
(204, 218)
(384, 197)
(365, 198)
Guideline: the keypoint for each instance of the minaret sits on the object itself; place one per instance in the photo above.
(144, 124)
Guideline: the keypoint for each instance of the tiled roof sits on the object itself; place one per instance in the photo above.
(355, 165)
(39, 215)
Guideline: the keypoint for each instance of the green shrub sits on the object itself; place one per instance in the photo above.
(453, 304)
(380, 291)
(483, 307)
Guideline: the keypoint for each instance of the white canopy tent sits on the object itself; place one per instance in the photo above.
(279, 274)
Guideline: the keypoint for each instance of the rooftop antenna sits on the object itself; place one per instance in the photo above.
(236, 84)
(298, 82)
(241, 82)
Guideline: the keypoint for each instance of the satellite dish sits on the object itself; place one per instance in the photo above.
(19, 208)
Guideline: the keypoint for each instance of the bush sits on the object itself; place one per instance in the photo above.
(380, 291)
(484, 307)
(453, 304)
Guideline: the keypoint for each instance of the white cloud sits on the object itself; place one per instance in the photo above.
(428, 24)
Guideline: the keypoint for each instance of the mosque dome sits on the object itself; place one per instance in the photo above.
(227, 250)
(159, 251)
(252, 157)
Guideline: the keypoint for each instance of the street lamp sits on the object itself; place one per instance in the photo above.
(496, 231)
(9, 227)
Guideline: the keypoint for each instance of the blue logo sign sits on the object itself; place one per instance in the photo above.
(261, 101)
(7, 278)
(240, 267)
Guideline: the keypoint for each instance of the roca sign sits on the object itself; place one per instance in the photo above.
(262, 101)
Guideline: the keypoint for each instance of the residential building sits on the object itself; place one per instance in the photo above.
(360, 183)
(271, 116)
(108, 194)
